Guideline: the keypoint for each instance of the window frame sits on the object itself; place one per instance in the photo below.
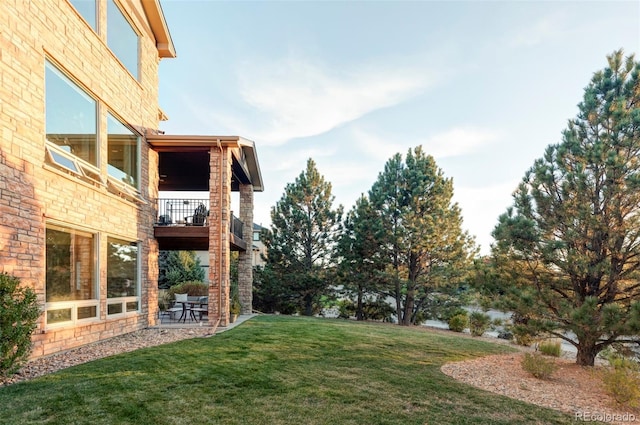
(77, 86)
(123, 301)
(114, 184)
(135, 31)
(81, 168)
(74, 305)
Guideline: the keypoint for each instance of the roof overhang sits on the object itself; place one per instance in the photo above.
(244, 154)
(164, 44)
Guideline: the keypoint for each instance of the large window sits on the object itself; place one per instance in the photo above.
(71, 116)
(122, 38)
(88, 10)
(124, 148)
(123, 288)
(71, 290)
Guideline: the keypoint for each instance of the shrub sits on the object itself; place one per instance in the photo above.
(458, 322)
(622, 379)
(234, 306)
(550, 348)
(192, 288)
(522, 336)
(19, 312)
(623, 385)
(479, 323)
(538, 366)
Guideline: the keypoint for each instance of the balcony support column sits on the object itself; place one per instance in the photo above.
(245, 266)
(219, 223)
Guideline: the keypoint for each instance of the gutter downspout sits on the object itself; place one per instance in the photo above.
(222, 230)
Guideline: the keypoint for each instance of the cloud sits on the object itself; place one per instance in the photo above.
(460, 141)
(543, 29)
(457, 141)
(481, 207)
(296, 98)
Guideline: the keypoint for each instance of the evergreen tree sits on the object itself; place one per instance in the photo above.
(302, 240)
(421, 235)
(359, 253)
(571, 241)
(175, 267)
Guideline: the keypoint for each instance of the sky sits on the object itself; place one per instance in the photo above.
(483, 86)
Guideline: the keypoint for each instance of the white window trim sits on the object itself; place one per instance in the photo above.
(74, 304)
(83, 169)
(125, 300)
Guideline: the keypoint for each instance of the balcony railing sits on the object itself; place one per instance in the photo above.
(236, 226)
(183, 212)
(191, 212)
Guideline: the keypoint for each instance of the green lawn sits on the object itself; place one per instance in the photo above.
(275, 370)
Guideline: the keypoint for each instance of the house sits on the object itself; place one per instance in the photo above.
(82, 163)
(258, 247)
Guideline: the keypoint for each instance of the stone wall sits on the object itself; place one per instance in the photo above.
(220, 218)
(33, 193)
(245, 263)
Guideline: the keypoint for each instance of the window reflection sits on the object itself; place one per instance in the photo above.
(86, 8)
(122, 269)
(121, 38)
(123, 152)
(70, 266)
(70, 116)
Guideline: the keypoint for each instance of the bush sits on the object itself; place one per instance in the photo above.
(458, 322)
(622, 379)
(550, 348)
(19, 312)
(479, 323)
(623, 385)
(538, 366)
(191, 288)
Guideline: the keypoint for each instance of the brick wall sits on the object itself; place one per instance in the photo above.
(32, 193)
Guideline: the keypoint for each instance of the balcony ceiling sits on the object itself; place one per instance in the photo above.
(184, 171)
(184, 162)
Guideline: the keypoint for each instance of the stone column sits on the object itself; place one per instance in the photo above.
(219, 224)
(245, 266)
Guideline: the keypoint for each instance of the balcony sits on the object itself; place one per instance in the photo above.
(183, 224)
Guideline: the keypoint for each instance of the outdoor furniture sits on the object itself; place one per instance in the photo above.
(186, 309)
(199, 216)
(202, 309)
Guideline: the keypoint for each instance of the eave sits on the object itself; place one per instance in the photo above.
(164, 43)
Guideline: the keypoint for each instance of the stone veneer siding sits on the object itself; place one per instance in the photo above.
(219, 224)
(245, 263)
(32, 193)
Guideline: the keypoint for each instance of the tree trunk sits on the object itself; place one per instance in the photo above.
(308, 305)
(359, 315)
(587, 353)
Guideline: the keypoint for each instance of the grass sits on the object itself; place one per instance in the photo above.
(275, 370)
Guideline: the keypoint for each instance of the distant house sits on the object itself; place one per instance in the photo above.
(258, 248)
(82, 163)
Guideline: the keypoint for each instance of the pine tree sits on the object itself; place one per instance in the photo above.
(302, 240)
(358, 250)
(571, 241)
(175, 267)
(422, 237)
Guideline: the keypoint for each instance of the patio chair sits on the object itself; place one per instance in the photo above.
(203, 309)
(171, 311)
(199, 216)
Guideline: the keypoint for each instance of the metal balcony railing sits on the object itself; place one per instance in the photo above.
(183, 211)
(191, 212)
(236, 226)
